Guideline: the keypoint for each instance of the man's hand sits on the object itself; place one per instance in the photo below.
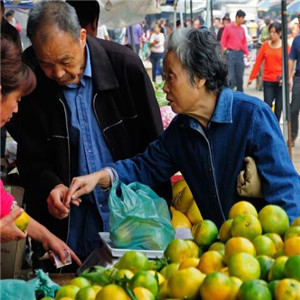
(8, 229)
(85, 184)
(55, 201)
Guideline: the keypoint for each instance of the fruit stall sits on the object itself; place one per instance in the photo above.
(253, 255)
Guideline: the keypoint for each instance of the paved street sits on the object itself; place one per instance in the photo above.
(252, 91)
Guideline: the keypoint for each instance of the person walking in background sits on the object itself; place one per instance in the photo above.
(225, 21)
(294, 59)
(102, 33)
(217, 25)
(271, 53)
(157, 48)
(235, 44)
(137, 37)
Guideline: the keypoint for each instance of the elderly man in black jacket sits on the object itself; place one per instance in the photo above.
(94, 104)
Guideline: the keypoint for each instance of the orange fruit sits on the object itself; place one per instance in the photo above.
(243, 266)
(145, 280)
(177, 251)
(272, 286)
(169, 270)
(124, 273)
(273, 219)
(112, 292)
(225, 231)
(217, 246)
(67, 291)
(287, 289)
(96, 288)
(292, 267)
(277, 269)
(142, 293)
(86, 293)
(264, 245)
(246, 226)
(81, 282)
(292, 232)
(159, 277)
(276, 239)
(236, 245)
(292, 246)
(216, 286)
(22, 221)
(196, 251)
(189, 262)
(205, 233)
(265, 263)
(296, 222)
(134, 261)
(224, 271)
(163, 290)
(211, 261)
(179, 220)
(185, 283)
(235, 286)
(241, 208)
(254, 289)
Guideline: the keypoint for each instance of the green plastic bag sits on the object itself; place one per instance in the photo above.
(139, 218)
(36, 288)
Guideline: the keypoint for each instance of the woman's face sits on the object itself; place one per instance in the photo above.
(8, 106)
(274, 36)
(183, 97)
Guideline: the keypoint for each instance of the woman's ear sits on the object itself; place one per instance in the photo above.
(200, 82)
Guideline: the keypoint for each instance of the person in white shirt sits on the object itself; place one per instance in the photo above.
(102, 33)
(157, 41)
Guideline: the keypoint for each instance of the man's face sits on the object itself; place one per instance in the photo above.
(61, 57)
(240, 20)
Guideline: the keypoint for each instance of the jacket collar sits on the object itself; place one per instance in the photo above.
(222, 112)
(103, 73)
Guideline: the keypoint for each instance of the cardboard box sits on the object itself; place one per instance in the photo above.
(12, 253)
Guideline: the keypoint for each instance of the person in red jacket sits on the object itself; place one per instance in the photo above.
(271, 53)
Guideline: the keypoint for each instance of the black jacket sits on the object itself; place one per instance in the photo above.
(125, 106)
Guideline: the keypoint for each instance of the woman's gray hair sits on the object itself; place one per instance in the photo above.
(200, 54)
(54, 13)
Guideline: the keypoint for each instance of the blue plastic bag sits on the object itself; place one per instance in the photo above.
(139, 218)
(16, 289)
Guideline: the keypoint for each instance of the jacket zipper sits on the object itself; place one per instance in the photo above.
(69, 163)
(213, 173)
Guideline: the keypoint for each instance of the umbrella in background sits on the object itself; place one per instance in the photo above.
(293, 8)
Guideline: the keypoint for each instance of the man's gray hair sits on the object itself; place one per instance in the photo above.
(200, 54)
(54, 13)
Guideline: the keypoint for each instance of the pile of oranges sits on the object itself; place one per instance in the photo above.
(254, 255)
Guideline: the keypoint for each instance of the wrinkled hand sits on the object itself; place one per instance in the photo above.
(53, 243)
(55, 200)
(8, 228)
(85, 184)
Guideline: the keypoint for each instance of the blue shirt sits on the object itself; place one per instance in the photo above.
(295, 52)
(89, 152)
(210, 159)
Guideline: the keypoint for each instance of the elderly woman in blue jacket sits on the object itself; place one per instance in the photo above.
(214, 130)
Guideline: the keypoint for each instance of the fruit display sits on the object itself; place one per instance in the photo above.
(244, 259)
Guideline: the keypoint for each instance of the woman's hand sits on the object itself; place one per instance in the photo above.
(85, 184)
(9, 230)
(249, 82)
(53, 243)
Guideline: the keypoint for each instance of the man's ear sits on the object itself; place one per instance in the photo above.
(200, 82)
(82, 37)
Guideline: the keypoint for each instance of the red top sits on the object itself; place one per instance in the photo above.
(6, 201)
(273, 62)
(234, 38)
